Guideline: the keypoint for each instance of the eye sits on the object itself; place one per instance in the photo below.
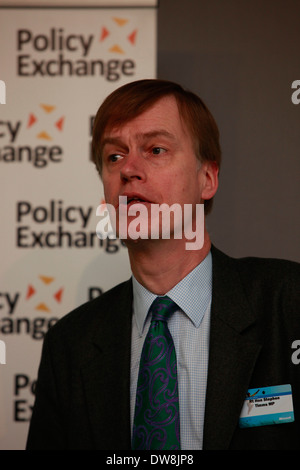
(113, 158)
(158, 150)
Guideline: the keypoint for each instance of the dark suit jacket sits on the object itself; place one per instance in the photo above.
(82, 394)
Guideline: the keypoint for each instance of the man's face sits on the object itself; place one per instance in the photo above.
(151, 160)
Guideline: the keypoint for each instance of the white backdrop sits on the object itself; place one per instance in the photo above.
(58, 64)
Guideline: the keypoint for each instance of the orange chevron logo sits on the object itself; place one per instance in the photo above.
(129, 36)
(57, 123)
(56, 293)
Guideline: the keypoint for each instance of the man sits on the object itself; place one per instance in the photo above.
(233, 325)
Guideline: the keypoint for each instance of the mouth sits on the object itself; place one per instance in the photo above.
(130, 199)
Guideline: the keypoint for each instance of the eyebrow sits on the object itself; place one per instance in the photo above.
(142, 136)
(158, 133)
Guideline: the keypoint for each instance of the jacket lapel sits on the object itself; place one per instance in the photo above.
(106, 372)
(234, 348)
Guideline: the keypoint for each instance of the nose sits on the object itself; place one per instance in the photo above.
(133, 167)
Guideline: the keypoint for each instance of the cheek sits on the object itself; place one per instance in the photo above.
(109, 191)
(190, 190)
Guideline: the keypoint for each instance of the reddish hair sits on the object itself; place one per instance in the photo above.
(132, 99)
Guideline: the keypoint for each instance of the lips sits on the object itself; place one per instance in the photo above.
(133, 198)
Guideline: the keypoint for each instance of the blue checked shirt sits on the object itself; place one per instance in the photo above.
(189, 327)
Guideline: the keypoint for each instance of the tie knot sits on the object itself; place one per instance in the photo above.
(162, 308)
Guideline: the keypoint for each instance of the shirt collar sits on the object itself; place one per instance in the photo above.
(192, 294)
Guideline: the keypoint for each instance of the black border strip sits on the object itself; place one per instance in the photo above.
(78, 7)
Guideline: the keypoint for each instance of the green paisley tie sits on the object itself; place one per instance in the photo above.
(156, 421)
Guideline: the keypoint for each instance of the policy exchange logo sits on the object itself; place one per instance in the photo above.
(33, 309)
(106, 53)
(33, 140)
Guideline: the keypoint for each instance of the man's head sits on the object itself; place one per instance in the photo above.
(133, 99)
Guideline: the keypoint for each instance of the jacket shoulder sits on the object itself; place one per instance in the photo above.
(265, 270)
(271, 273)
(269, 283)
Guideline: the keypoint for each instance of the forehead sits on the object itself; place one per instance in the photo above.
(161, 116)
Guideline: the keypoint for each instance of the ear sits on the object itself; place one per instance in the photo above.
(209, 175)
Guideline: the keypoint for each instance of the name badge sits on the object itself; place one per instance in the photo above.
(267, 405)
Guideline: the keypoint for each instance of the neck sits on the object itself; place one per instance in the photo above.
(160, 264)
